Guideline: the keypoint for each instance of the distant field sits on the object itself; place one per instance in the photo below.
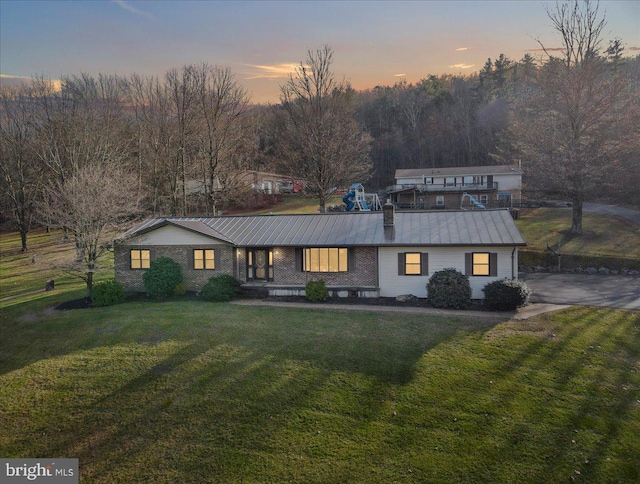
(603, 234)
(293, 204)
(23, 275)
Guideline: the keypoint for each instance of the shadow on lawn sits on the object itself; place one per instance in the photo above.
(583, 393)
(230, 388)
(386, 346)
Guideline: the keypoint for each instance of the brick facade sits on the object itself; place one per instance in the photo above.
(131, 279)
(363, 266)
(363, 269)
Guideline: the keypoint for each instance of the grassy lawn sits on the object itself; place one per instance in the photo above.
(189, 391)
(294, 204)
(603, 234)
(195, 392)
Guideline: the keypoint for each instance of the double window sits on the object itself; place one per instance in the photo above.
(481, 264)
(413, 264)
(326, 259)
(204, 259)
(140, 258)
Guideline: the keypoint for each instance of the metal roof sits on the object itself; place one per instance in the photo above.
(441, 228)
(460, 171)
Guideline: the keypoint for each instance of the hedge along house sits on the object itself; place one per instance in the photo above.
(364, 254)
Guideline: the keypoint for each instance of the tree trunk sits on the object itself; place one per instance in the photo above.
(89, 281)
(576, 222)
(23, 238)
(323, 203)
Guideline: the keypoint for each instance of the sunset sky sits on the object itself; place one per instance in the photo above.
(374, 42)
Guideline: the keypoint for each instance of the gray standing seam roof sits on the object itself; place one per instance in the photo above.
(460, 171)
(442, 228)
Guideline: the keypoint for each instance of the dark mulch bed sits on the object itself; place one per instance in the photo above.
(83, 303)
(370, 301)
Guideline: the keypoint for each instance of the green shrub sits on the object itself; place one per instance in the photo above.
(107, 293)
(316, 290)
(180, 290)
(506, 295)
(162, 278)
(221, 288)
(450, 289)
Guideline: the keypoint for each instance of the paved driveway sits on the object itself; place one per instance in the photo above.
(584, 289)
(628, 213)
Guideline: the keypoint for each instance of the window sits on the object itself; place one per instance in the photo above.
(468, 180)
(428, 180)
(413, 264)
(481, 264)
(484, 199)
(140, 258)
(204, 259)
(440, 200)
(326, 260)
(478, 180)
(450, 182)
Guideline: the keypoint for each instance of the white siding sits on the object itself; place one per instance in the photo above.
(410, 180)
(511, 182)
(392, 284)
(171, 235)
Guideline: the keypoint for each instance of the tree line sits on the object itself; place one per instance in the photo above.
(181, 143)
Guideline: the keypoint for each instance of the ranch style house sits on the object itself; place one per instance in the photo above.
(363, 254)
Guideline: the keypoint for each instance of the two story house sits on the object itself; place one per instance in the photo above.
(457, 187)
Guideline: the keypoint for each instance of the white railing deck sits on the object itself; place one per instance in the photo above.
(441, 187)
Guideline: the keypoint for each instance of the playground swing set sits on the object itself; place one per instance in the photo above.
(357, 199)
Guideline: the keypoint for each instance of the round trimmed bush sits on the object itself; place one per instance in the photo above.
(107, 293)
(221, 288)
(316, 290)
(506, 295)
(162, 278)
(449, 289)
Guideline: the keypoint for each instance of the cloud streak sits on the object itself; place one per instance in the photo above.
(7, 76)
(9, 80)
(549, 49)
(275, 71)
(461, 49)
(131, 8)
(461, 66)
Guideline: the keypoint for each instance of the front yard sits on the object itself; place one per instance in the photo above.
(202, 392)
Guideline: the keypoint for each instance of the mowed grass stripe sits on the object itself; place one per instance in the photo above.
(193, 391)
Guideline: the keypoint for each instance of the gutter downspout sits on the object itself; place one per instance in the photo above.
(513, 257)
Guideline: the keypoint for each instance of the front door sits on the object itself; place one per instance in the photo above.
(259, 264)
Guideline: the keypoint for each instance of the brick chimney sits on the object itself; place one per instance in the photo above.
(388, 213)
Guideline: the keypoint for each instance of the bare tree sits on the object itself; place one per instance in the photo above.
(83, 122)
(223, 103)
(94, 203)
(21, 171)
(156, 140)
(580, 115)
(320, 140)
(183, 86)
